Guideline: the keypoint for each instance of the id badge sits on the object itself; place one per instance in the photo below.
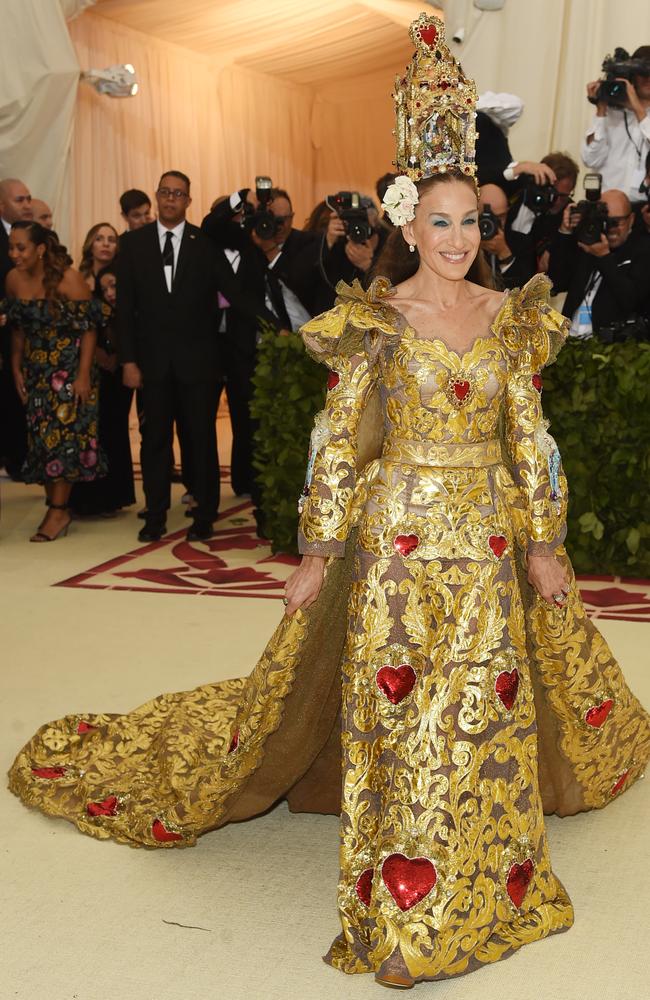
(637, 179)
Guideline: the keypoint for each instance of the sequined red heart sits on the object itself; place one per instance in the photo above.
(234, 743)
(396, 682)
(619, 784)
(85, 727)
(518, 881)
(405, 544)
(506, 687)
(408, 880)
(363, 886)
(333, 380)
(461, 389)
(162, 834)
(598, 713)
(537, 382)
(107, 807)
(49, 772)
(429, 35)
(498, 544)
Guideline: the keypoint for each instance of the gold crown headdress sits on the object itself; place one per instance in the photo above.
(435, 105)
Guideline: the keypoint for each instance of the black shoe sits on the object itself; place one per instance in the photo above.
(151, 532)
(200, 531)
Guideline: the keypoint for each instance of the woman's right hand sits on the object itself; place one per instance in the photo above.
(303, 586)
(21, 388)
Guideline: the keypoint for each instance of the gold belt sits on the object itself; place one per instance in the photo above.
(444, 456)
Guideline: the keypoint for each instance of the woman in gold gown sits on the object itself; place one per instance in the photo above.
(476, 694)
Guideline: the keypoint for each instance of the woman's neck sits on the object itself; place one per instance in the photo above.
(443, 293)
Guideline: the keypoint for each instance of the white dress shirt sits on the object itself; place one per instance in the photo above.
(619, 157)
(177, 233)
(6, 224)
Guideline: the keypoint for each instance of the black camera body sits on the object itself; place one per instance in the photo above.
(592, 222)
(632, 328)
(539, 198)
(616, 68)
(488, 223)
(350, 209)
(260, 220)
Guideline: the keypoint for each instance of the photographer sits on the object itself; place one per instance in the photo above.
(350, 245)
(536, 214)
(603, 268)
(618, 140)
(510, 256)
(642, 208)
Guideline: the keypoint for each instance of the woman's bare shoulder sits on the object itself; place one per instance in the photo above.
(73, 285)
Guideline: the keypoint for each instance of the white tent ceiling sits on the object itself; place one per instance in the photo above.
(305, 41)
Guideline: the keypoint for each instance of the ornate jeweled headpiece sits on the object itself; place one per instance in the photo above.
(435, 105)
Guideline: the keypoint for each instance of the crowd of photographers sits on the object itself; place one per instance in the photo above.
(595, 246)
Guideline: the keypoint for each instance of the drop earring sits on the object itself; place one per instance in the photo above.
(411, 247)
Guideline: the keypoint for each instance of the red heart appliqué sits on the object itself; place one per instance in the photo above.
(49, 772)
(162, 834)
(518, 881)
(405, 544)
(107, 807)
(621, 781)
(461, 389)
(234, 743)
(598, 713)
(363, 886)
(498, 544)
(408, 880)
(333, 380)
(506, 687)
(537, 382)
(396, 682)
(85, 727)
(429, 35)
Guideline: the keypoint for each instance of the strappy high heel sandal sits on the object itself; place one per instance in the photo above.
(40, 535)
(395, 982)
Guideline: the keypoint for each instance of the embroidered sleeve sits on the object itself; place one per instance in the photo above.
(534, 333)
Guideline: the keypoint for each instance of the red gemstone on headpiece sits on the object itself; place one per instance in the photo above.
(408, 880)
(85, 727)
(332, 380)
(518, 881)
(396, 682)
(363, 886)
(444, 84)
(537, 382)
(162, 834)
(107, 807)
(405, 544)
(506, 687)
(49, 772)
(461, 389)
(234, 743)
(498, 544)
(621, 781)
(429, 34)
(598, 713)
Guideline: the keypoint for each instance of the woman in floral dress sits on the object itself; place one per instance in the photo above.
(53, 322)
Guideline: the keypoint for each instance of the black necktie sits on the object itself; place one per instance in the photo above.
(168, 252)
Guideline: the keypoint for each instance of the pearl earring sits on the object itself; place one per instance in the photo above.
(411, 247)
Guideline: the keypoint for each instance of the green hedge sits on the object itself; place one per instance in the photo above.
(289, 391)
(597, 398)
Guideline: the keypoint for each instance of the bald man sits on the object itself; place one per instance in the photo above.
(606, 281)
(511, 256)
(42, 213)
(15, 204)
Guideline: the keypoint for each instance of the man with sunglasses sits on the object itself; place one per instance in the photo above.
(605, 281)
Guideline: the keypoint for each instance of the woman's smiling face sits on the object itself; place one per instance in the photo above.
(445, 229)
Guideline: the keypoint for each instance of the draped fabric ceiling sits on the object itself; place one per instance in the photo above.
(298, 89)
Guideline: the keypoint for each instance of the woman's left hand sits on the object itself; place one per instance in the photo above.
(549, 579)
(81, 389)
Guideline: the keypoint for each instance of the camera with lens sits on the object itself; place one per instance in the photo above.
(632, 328)
(621, 66)
(592, 221)
(488, 223)
(260, 220)
(352, 210)
(539, 198)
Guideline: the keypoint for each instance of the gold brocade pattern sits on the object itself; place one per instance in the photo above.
(467, 705)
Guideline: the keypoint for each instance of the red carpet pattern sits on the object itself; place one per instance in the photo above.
(236, 563)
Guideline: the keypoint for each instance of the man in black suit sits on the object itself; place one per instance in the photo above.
(606, 281)
(15, 206)
(166, 321)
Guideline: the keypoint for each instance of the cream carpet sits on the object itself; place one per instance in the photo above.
(250, 910)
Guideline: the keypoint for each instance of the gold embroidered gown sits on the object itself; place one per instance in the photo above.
(468, 705)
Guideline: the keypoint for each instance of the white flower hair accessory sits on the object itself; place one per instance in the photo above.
(400, 200)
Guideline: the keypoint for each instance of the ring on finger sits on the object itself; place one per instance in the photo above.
(285, 601)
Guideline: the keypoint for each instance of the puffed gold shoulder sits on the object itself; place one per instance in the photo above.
(358, 322)
(532, 331)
